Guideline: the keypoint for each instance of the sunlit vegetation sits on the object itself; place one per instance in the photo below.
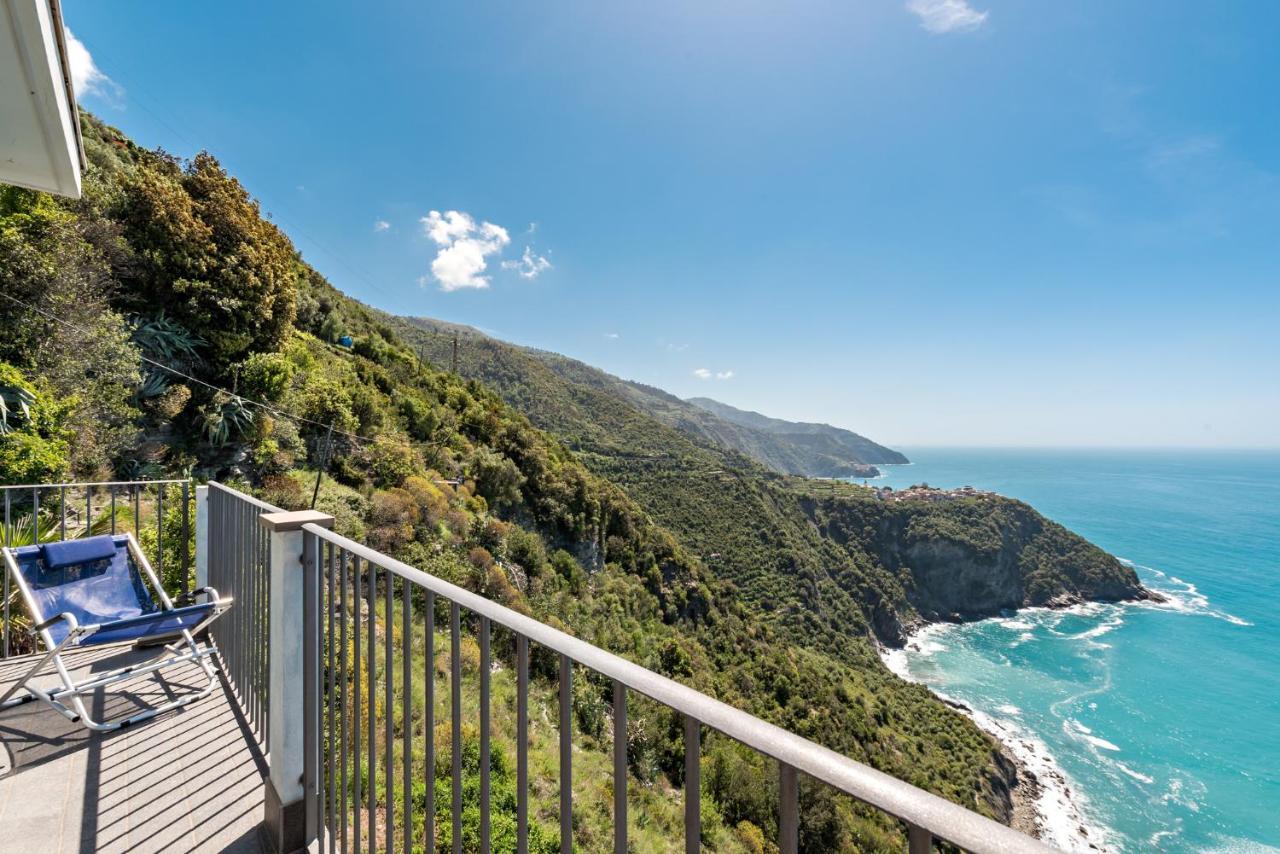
(536, 488)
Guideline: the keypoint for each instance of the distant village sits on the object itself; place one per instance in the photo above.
(925, 492)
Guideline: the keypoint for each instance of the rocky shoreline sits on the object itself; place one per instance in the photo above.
(1042, 800)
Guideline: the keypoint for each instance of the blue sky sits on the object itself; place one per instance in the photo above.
(931, 221)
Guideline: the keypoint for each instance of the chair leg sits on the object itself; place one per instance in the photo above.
(5, 702)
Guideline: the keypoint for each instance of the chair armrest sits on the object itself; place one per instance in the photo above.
(65, 615)
(190, 596)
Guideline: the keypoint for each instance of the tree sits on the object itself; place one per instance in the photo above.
(34, 441)
(204, 255)
(58, 269)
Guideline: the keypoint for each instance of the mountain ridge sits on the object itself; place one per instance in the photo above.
(786, 447)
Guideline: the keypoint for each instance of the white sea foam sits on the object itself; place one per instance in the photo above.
(1061, 806)
(1080, 732)
(1240, 845)
(1137, 775)
(1014, 624)
(1180, 595)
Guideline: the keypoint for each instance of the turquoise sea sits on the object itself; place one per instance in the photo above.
(1162, 721)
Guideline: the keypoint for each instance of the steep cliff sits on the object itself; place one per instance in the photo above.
(967, 558)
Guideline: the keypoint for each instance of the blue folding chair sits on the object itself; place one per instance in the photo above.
(90, 592)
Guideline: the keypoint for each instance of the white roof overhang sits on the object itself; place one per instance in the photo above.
(40, 144)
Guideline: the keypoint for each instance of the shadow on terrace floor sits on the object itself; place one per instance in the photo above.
(186, 781)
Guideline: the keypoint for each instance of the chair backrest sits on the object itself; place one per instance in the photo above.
(94, 579)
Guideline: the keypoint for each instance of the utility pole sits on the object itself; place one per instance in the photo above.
(455, 353)
(324, 461)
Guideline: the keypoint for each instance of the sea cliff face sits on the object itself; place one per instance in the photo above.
(969, 558)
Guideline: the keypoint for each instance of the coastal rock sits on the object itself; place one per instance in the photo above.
(959, 565)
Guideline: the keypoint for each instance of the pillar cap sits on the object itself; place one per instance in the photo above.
(278, 523)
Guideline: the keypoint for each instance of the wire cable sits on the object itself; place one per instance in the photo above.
(265, 406)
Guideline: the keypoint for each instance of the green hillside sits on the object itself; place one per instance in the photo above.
(813, 450)
(573, 504)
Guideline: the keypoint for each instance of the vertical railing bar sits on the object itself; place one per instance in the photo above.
(484, 736)
(388, 678)
(263, 649)
(62, 511)
(112, 490)
(788, 810)
(342, 707)
(35, 516)
(186, 536)
(251, 551)
(522, 744)
(160, 531)
(331, 728)
(324, 701)
(310, 683)
(372, 793)
(406, 709)
(619, 768)
(357, 769)
(566, 755)
(692, 786)
(249, 576)
(429, 727)
(88, 510)
(919, 840)
(238, 614)
(455, 689)
(258, 563)
(137, 511)
(6, 575)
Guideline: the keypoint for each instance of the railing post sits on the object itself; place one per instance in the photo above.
(202, 537)
(285, 796)
(788, 810)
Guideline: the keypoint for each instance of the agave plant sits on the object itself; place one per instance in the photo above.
(166, 340)
(225, 417)
(15, 401)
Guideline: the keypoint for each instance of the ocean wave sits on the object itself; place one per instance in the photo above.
(1137, 775)
(1240, 845)
(1061, 805)
(1181, 596)
(1080, 732)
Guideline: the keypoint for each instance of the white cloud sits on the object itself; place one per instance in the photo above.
(381, 225)
(946, 16)
(708, 374)
(530, 265)
(724, 375)
(464, 247)
(612, 336)
(86, 77)
(702, 373)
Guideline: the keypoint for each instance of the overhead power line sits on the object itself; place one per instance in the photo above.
(162, 366)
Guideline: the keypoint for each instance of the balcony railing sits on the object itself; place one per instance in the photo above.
(332, 668)
(156, 512)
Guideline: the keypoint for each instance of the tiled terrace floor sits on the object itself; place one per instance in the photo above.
(189, 780)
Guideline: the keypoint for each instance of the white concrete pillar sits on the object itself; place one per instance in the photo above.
(285, 808)
(202, 536)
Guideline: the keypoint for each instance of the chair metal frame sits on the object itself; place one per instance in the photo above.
(183, 650)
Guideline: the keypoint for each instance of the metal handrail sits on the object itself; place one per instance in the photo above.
(70, 484)
(238, 567)
(248, 499)
(925, 814)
